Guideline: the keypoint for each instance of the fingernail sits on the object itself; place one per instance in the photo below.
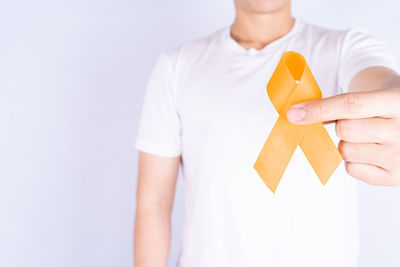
(296, 114)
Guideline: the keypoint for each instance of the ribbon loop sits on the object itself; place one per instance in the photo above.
(292, 82)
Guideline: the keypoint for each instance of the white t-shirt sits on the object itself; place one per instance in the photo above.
(206, 100)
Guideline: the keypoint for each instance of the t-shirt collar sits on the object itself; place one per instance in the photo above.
(236, 47)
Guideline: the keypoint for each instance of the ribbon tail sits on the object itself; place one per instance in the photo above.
(320, 151)
(277, 151)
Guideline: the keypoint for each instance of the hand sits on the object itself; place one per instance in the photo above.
(368, 124)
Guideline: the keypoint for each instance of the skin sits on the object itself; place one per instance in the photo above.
(154, 200)
(367, 121)
(257, 23)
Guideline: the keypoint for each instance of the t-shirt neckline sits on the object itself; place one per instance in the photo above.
(236, 47)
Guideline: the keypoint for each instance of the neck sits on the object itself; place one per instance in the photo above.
(256, 30)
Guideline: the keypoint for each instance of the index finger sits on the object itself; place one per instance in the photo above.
(383, 103)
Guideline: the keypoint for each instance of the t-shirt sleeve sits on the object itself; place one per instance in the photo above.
(360, 50)
(159, 130)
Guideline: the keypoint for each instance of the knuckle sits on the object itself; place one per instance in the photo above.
(352, 170)
(349, 168)
(352, 103)
(321, 110)
(345, 150)
(344, 128)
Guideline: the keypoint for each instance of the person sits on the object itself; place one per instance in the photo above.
(206, 109)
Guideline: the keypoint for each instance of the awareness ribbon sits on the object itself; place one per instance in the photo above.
(292, 82)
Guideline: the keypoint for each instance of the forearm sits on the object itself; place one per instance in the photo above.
(374, 78)
(392, 83)
(152, 237)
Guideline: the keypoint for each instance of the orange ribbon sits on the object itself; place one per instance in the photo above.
(292, 82)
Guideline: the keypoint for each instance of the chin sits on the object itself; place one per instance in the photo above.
(262, 6)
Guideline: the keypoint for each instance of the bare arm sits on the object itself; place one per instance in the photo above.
(374, 78)
(154, 200)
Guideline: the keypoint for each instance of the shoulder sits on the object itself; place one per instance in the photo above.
(322, 33)
(194, 49)
(346, 35)
(340, 40)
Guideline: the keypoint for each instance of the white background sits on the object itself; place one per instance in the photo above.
(72, 75)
